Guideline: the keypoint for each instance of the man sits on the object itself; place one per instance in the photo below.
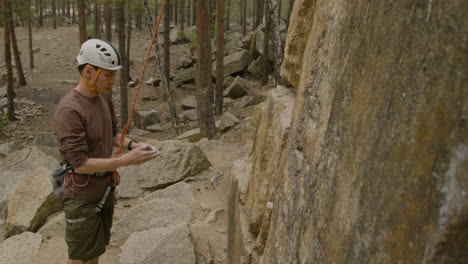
(86, 130)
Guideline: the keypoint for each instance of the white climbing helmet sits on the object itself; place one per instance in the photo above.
(99, 53)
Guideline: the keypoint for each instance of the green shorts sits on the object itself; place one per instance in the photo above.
(87, 239)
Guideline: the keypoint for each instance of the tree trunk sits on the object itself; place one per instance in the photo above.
(41, 13)
(244, 18)
(176, 12)
(97, 20)
(290, 8)
(82, 21)
(58, 4)
(182, 14)
(123, 71)
(68, 9)
(166, 42)
(139, 15)
(9, 67)
(156, 12)
(228, 21)
(194, 13)
(31, 54)
(54, 14)
(108, 19)
(266, 44)
(73, 12)
(276, 21)
(203, 82)
(254, 11)
(129, 34)
(259, 17)
(16, 53)
(219, 56)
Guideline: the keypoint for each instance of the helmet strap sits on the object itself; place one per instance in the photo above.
(92, 87)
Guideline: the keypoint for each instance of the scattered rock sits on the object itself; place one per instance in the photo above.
(235, 62)
(185, 76)
(163, 245)
(227, 121)
(31, 203)
(144, 118)
(177, 161)
(185, 62)
(72, 82)
(159, 127)
(139, 132)
(8, 148)
(180, 192)
(154, 81)
(191, 114)
(188, 86)
(20, 248)
(256, 67)
(165, 118)
(152, 214)
(45, 139)
(238, 88)
(189, 102)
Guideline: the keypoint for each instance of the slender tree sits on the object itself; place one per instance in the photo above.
(9, 67)
(16, 53)
(124, 71)
(139, 14)
(203, 81)
(166, 42)
(219, 56)
(259, 15)
(68, 9)
(194, 12)
(73, 12)
(108, 19)
(228, 22)
(129, 38)
(41, 13)
(244, 17)
(156, 12)
(54, 14)
(82, 21)
(31, 53)
(176, 12)
(266, 42)
(97, 20)
(290, 8)
(276, 21)
(182, 15)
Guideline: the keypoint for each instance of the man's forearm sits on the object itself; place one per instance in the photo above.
(94, 165)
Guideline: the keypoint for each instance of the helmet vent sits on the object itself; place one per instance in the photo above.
(108, 54)
(113, 62)
(103, 49)
(98, 46)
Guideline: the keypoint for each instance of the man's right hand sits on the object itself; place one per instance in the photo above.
(140, 154)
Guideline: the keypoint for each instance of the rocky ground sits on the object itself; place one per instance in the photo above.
(171, 210)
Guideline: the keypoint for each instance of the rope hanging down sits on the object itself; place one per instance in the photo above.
(118, 153)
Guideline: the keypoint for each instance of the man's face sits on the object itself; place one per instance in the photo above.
(105, 81)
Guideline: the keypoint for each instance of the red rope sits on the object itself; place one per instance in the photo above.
(118, 153)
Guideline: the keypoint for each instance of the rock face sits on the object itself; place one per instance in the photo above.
(177, 161)
(31, 203)
(164, 245)
(376, 162)
(20, 248)
(146, 118)
(270, 141)
(16, 166)
(235, 62)
(185, 76)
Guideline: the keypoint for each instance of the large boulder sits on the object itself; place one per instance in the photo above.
(144, 118)
(45, 139)
(18, 165)
(257, 66)
(191, 114)
(234, 63)
(185, 76)
(180, 192)
(31, 203)
(8, 148)
(227, 121)
(272, 131)
(238, 88)
(189, 102)
(162, 245)
(177, 160)
(20, 249)
(154, 213)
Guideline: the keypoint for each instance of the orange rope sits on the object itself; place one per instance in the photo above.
(118, 153)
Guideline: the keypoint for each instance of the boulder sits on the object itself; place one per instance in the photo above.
(189, 102)
(192, 135)
(154, 81)
(209, 241)
(233, 46)
(185, 62)
(256, 67)
(246, 40)
(233, 36)
(234, 63)
(3, 101)
(228, 81)
(3, 80)
(180, 192)
(227, 121)
(8, 148)
(188, 86)
(31, 203)
(159, 127)
(3, 92)
(238, 88)
(18, 165)
(144, 118)
(45, 139)
(155, 213)
(138, 132)
(272, 131)
(185, 76)
(177, 160)
(174, 35)
(191, 114)
(162, 245)
(20, 249)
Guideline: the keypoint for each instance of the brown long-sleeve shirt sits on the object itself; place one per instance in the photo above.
(85, 128)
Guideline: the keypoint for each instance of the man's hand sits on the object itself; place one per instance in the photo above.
(142, 153)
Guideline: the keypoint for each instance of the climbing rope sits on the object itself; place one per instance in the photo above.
(118, 153)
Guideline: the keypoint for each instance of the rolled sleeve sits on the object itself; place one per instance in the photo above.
(71, 137)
